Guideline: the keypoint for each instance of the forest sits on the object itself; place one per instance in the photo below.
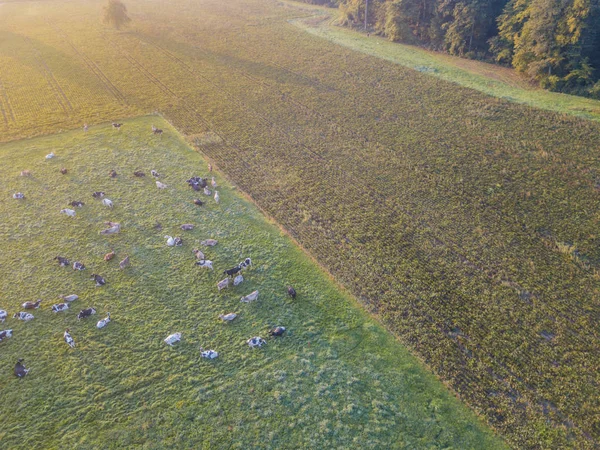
(553, 43)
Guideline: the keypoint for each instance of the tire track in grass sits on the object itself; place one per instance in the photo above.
(58, 92)
(5, 107)
(92, 66)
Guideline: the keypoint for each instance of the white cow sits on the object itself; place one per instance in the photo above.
(250, 297)
(256, 342)
(107, 202)
(172, 338)
(210, 354)
(24, 316)
(205, 263)
(3, 315)
(60, 307)
(68, 212)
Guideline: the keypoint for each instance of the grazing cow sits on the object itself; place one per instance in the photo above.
(291, 292)
(109, 256)
(68, 212)
(20, 370)
(187, 227)
(178, 242)
(69, 298)
(198, 253)
(32, 305)
(5, 334)
(245, 263)
(231, 272)
(107, 202)
(227, 317)
(223, 284)
(124, 263)
(161, 185)
(114, 229)
(139, 173)
(209, 242)
(157, 131)
(154, 173)
(237, 280)
(3, 315)
(217, 196)
(213, 183)
(277, 331)
(198, 182)
(98, 279)
(102, 323)
(69, 339)
(112, 173)
(18, 196)
(98, 194)
(86, 313)
(85, 127)
(256, 342)
(25, 173)
(205, 263)
(76, 204)
(117, 126)
(59, 307)
(207, 191)
(209, 167)
(62, 262)
(208, 354)
(198, 202)
(50, 155)
(250, 297)
(172, 338)
(24, 316)
(78, 266)
(63, 170)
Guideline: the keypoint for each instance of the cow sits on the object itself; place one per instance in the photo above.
(86, 313)
(250, 297)
(172, 338)
(60, 307)
(223, 284)
(256, 341)
(20, 370)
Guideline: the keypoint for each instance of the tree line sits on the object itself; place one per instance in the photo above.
(555, 43)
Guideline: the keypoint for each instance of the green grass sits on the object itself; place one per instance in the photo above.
(336, 380)
(492, 80)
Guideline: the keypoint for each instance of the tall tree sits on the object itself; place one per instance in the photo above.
(115, 14)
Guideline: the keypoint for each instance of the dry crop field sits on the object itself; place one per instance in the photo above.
(467, 224)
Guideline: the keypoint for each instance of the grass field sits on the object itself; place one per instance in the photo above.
(336, 380)
(466, 223)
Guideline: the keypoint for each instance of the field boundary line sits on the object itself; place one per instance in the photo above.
(5, 105)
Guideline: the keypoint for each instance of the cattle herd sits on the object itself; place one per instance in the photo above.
(233, 275)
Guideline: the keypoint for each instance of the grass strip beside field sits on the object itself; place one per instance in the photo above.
(497, 81)
(336, 380)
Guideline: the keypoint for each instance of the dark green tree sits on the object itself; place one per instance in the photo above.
(115, 14)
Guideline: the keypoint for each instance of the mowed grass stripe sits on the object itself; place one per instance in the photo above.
(337, 379)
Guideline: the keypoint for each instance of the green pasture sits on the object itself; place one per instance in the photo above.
(337, 379)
